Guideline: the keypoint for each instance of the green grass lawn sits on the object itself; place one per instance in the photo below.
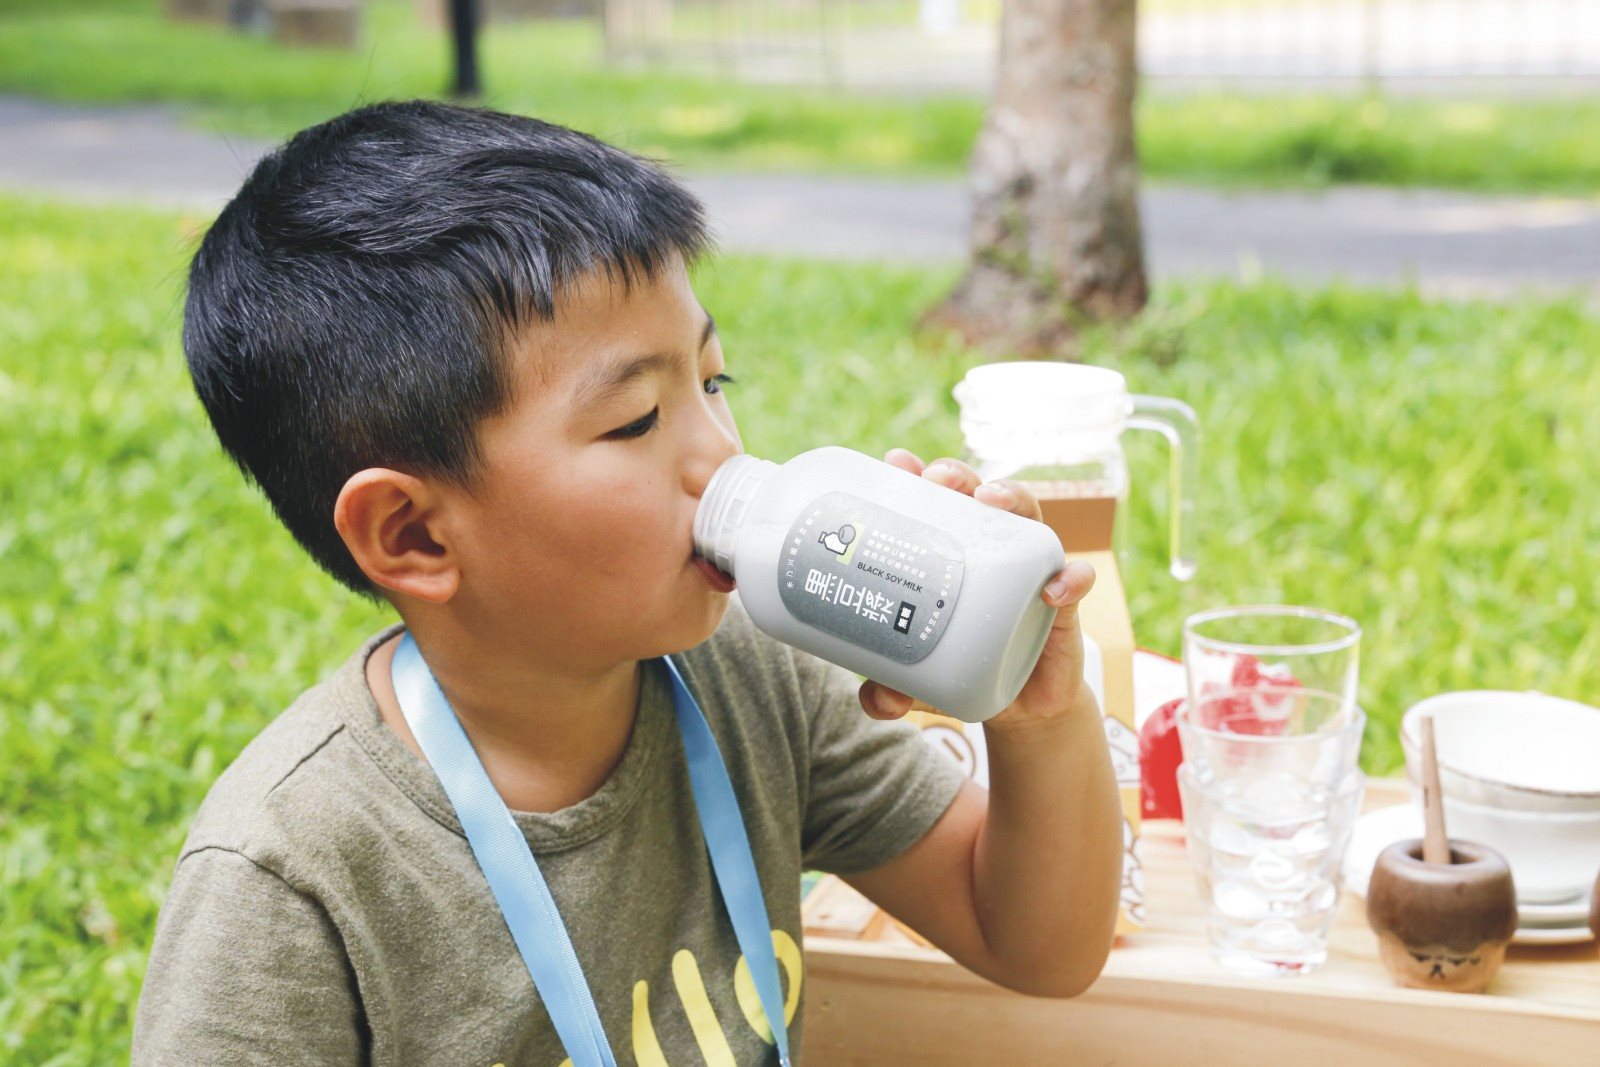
(122, 50)
(1425, 467)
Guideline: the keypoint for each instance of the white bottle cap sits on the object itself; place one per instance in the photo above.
(723, 506)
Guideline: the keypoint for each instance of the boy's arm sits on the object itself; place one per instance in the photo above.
(1019, 885)
(244, 969)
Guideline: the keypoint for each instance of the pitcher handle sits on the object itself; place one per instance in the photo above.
(1176, 421)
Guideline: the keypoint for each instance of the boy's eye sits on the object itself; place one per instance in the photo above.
(652, 420)
(641, 427)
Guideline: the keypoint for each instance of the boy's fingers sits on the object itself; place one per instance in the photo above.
(954, 474)
(1012, 496)
(905, 459)
(1071, 585)
(881, 702)
(1002, 493)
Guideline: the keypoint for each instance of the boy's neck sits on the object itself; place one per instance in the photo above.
(546, 740)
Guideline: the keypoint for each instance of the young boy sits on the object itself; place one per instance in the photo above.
(459, 352)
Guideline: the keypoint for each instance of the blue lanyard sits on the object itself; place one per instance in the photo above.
(520, 889)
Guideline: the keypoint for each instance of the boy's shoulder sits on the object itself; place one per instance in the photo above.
(295, 779)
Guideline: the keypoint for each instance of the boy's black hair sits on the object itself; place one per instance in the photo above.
(353, 305)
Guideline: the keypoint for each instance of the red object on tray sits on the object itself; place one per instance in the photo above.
(1160, 752)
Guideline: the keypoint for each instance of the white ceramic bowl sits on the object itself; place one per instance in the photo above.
(1523, 752)
(1554, 855)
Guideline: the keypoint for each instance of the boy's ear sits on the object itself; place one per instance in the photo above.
(390, 523)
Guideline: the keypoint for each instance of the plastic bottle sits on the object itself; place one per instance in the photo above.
(923, 589)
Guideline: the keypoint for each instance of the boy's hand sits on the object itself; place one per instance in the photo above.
(1056, 687)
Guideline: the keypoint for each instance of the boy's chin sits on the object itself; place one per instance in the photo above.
(716, 607)
(700, 616)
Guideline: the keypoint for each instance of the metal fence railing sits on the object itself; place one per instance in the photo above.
(951, 44)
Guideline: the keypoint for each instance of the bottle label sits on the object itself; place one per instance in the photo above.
(870, 576)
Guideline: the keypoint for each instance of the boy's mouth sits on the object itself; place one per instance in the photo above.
(720, 581)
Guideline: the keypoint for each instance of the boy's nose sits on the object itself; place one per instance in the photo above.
(704, 466)
(714, 444)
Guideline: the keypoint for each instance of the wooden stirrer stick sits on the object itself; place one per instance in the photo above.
(1435, 844)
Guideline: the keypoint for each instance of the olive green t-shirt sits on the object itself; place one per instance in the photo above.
(326, 907)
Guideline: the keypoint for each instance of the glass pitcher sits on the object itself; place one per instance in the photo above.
(1058, 427)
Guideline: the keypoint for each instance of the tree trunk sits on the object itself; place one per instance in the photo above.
(1055, 184)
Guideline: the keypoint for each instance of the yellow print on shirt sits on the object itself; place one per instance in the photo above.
(708, 1031)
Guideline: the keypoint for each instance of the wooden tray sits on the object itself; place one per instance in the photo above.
(876, 994)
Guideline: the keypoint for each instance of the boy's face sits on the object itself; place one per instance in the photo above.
(581, 539)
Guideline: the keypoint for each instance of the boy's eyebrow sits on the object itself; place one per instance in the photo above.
(604, 379)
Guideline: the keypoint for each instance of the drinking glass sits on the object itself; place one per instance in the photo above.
(1271, 737)
(1267, 860)
(1263, 654)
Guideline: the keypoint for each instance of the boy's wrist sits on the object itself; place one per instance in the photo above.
(1012, 728)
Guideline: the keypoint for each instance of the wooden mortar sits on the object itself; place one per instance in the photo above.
(1442, 926)
(1444, 911)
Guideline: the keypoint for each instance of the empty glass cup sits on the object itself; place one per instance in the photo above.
(1305, 739)
(1271, 737)
(1252, 659)
(1266, 859)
